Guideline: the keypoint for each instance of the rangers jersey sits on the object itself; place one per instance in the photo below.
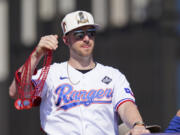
(88, 107)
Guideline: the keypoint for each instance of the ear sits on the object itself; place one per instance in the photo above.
(66, 40)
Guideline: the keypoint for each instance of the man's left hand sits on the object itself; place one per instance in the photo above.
(138, 130)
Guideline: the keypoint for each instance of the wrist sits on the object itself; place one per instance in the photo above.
(37, 53)
(138, 123)
(35, 57)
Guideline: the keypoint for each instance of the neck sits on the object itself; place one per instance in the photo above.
(84, 63)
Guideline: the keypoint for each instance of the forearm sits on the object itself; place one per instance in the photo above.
(129, 114)
(34, 60)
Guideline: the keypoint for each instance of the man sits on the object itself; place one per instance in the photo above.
(174, 125)
(81, 96)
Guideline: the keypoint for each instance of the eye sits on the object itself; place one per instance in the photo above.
(79, 35)
(91, 32)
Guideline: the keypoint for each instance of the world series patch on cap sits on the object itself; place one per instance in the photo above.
(77, 19)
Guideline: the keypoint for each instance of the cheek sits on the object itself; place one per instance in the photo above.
(92, 42)
(71, 41)
(73, 45)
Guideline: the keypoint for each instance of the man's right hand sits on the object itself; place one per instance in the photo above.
(46, 43)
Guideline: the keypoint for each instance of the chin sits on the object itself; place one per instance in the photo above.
(86, 53)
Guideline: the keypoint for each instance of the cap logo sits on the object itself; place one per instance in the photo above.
(81, 18)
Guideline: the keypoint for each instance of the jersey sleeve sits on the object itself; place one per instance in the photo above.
(122, 91)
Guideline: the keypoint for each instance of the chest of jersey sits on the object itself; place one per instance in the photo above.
(87, 89)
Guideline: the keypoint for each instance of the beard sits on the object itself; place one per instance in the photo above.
(82, 52)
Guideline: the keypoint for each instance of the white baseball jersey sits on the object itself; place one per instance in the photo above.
(87, 108)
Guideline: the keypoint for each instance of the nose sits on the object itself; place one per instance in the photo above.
(86, 38)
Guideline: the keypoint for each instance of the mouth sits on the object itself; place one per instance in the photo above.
(86, 46)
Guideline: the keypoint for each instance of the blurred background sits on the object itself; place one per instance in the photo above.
(139, 37)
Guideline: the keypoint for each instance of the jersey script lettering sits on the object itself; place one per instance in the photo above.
(67, 97)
